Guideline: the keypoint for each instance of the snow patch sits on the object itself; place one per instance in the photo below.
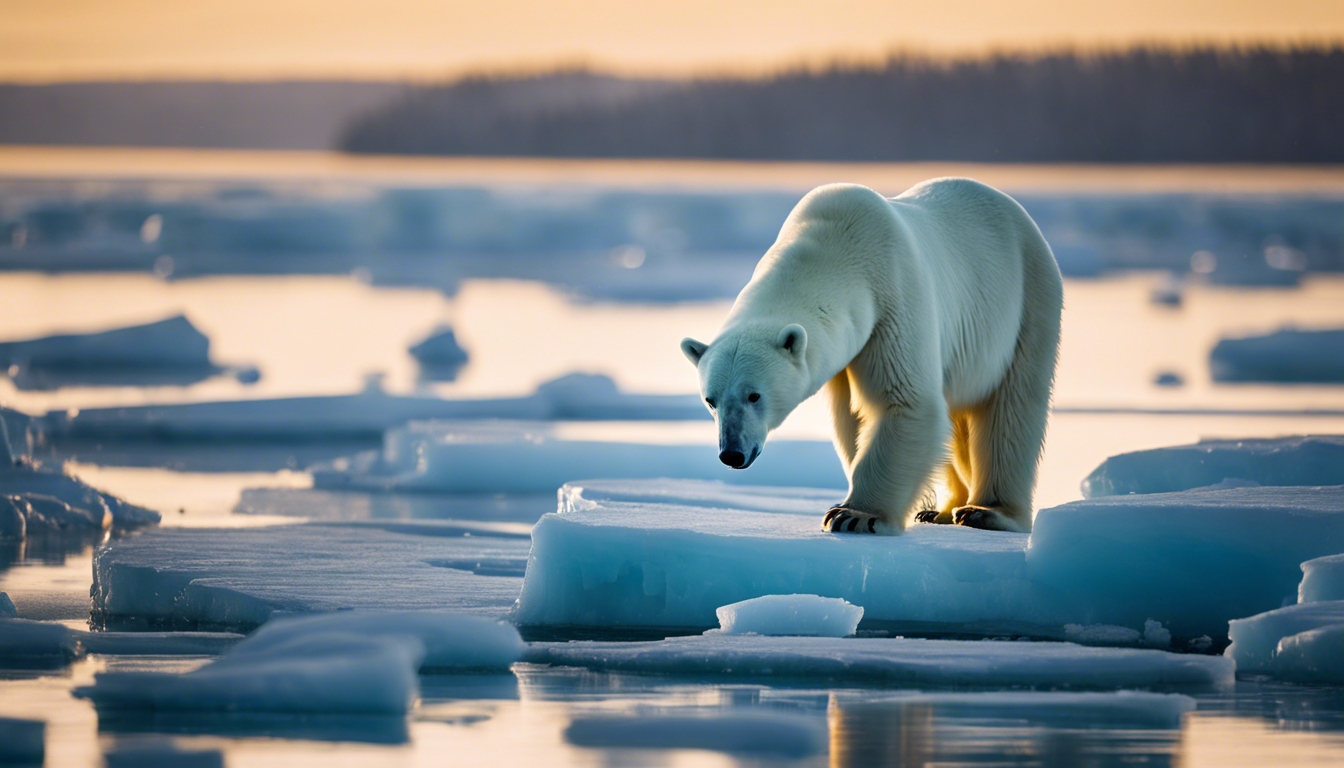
(809, 615)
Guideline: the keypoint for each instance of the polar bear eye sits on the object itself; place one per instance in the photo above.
(753, 397)
(709, 401)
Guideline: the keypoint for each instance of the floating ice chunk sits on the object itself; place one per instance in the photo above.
(1322, 580)
(896, 661)
(809, 615)
(239, 578)
(440, 348)
(7, 609)
(616, 563)
(1136, 707)
(369, 413)
(1301, 460)
(28, 644)
(1286, 355)
(450, 640)
(1155, 635)
(764, 733)
(1256, 639)
(522, 457)
(49, 498)
(1314, 656)
(1101, 634)
(22, 742)
(336, 672)
(172, 342)
(1192, 560)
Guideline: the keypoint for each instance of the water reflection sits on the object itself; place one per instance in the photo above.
(922, 734)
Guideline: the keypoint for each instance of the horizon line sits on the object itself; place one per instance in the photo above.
(781, 67)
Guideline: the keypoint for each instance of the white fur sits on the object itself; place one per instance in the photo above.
(933, 320)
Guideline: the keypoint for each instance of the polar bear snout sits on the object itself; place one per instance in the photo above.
(738, 460)
(734, 459)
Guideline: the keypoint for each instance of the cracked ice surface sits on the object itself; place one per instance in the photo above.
(239, 578)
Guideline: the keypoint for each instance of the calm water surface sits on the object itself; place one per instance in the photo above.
(327, 335)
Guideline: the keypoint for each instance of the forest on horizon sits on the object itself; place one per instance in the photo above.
(1142, 105)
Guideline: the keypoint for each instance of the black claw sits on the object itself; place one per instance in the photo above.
(853, 523)
(872, 525)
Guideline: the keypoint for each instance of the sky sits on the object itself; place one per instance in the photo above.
(374, 39)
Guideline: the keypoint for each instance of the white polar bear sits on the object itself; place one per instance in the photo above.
(932, 318)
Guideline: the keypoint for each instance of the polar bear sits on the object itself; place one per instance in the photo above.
(933, 321)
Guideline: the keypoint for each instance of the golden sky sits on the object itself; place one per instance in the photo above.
(66, 39)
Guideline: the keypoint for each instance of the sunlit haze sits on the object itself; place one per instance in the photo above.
(82, 39)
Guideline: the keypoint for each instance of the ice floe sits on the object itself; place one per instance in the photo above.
(667, 555)
(1298, 460)
(759, 734)
(450, 640)
(532, 457)
(660, 563)
(360, 662)
(809, 615)
(1287, 355)
(25, 643)
(336, 672)
(366, 414)
(440, 349)
(1191, 560)
(896, 661)
(169, 343)
(238, 578)
(1322, 580)
(54, 499)
(1301, 642)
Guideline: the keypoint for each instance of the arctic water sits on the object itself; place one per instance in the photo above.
(336, 334)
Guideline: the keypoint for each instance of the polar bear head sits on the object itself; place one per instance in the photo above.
(751, 377)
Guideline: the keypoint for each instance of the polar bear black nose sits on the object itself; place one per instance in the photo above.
(734, 459)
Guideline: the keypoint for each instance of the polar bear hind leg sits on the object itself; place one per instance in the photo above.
(1007, 431)
(956, 475)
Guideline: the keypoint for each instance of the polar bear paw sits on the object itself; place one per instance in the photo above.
(843, 520)
(986, 518)
(932, 516)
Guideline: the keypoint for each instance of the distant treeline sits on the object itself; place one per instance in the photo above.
(1142, 105)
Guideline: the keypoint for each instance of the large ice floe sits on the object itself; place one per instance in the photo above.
(336, 663)
(369, 413)
(239, 578)
(538, 457)
(666, 554)
(1297, 460)
(900, 661)
(1287, 355)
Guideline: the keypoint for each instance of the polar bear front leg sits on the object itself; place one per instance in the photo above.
(898, 451)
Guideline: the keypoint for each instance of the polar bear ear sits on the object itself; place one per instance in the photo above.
(693, 350)
(793, 339)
